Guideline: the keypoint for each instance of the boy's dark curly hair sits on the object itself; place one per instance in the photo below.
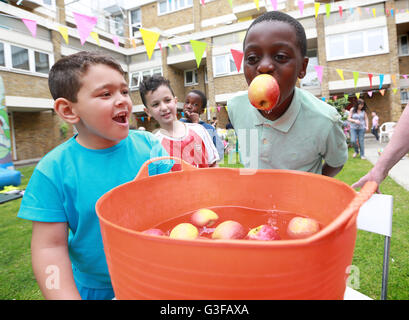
(283, 17)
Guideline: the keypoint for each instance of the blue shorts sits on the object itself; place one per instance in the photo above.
(95, 294)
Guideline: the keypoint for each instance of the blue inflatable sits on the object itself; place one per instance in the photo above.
(9, 177)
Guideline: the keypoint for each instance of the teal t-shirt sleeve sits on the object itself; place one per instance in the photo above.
(157, 150)
(42, 201)
(336, 146)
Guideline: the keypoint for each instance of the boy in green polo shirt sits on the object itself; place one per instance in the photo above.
(302, 132)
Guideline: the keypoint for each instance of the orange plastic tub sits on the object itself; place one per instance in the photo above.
(152, 267)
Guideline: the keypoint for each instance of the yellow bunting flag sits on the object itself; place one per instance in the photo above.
(328, 9)
(150, 38)
(199, 48)
(356, 76)
(394, 90)
(357, 95)
(179, 47)
(64, 33)
(374, 12)
(317, 7)
(95, 36)
(341, 73)
(231, 3)
(170, 46)
(256, 2)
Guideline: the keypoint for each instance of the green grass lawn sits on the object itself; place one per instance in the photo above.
(17, 280)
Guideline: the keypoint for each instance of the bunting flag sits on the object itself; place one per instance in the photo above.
(382, 92)
(328, 9)
(370, 94)
(394, 90)
(357, 95)
(256, 2)
(115, 39)
(335, 98)
(370, 75)
(202, 2)
(64, 33)
(134, 44)
(346, 96)
(301, 7)
(319, 70)
(150, 38)
(31, 26)
(85, 24)
(341, 73)
(170, 47)
(356, 76)
(95, 36)
(317, 7)
(199, 48)
(231, 3)
(274, 4)
(359, 11)
(340, 11)
(380, 81)
(160, 46)
(374, 12)
(405, 76)
(393, 77)
(237, 57)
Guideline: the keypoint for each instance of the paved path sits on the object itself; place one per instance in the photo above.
(399, 173)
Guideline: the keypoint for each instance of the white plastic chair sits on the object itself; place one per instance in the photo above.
(386, 130)
(375, 215)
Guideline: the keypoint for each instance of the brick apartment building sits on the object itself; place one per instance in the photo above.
(365, 36)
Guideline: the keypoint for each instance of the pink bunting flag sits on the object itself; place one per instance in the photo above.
(115, 39)
(202, 2)
(274, 4)
(84, 25)
(301, 7)
(237, 57)
(340, 11)
(218, 108)
(370, 93)
(405, 76)
(319, 70)
(160, 46)
(31, 25)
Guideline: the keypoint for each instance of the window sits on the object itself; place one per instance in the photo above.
(137, 77)
(166, 6)
(404, 96)
(357, 44)
(41, 62)
(136, 20)
(117, 24)
(2, 60)
(224, 65)
(311, 77)
(19, 58)
(190, 77)
(403, 45)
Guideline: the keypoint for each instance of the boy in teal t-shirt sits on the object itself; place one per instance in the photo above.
(91, 93)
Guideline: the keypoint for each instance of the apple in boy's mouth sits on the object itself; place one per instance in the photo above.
(121, 117)
(264, 92)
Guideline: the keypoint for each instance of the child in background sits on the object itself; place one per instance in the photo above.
(195, 101)
(91, 93)
(375, 125)
(188, 141)
(302, 132)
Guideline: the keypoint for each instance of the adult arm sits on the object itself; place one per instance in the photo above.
(51, 262)
(394, 151)
(366, 121)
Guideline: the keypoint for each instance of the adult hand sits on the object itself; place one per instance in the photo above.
(370, 176)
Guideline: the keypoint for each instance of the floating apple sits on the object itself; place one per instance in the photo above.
(229, 230)
(184, 231)
(263, 232)
(264, 92)
(154, 231)
(300, 227)
(204, 218)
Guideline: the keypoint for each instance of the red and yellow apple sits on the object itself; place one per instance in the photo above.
(229, 230)
(264, 92)
(300, 227)
(204, 218)
(184, 231)
(154, 231)
(263, 232)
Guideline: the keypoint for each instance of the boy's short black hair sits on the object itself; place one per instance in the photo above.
(64, 78)
(283, 17)
(202, 97)
(152, 83)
